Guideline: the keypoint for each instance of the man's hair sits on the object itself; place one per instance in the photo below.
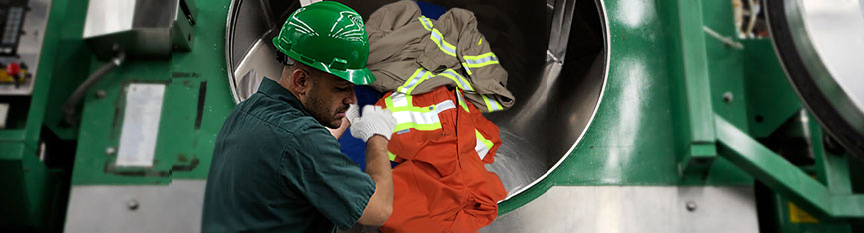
(313, 73)
(294, 64)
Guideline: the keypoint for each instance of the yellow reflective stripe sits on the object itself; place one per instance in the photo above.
(496, 105)
(462, 101)
(409, 81)
(483, 145)
(426, 23)
(480, 41)
(391, 155)
(480, 60)
(478, 65)
(437, 37)
(488, 143)
(481, 56)
(412, 82)
(410, 109)
(491, 104)
(426, 109)
(388, 102)
(415, 126)
(420, 118)
(460, 81)
(425, 76)
(465, 65)
(397, 100)
(442, 44)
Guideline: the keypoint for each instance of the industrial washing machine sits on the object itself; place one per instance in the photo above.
(630, 115)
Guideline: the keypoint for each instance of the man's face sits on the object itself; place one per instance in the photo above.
(329, 98)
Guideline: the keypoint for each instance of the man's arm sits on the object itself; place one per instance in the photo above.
(375, 128)
(380, 205)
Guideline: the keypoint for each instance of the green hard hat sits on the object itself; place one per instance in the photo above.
(330, 37)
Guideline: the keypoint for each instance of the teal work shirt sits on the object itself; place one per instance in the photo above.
(277, 169)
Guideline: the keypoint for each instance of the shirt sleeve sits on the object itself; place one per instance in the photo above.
(328, 179)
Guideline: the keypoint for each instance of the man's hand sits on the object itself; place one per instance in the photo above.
(375, 121)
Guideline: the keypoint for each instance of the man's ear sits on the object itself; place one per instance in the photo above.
(301, 82)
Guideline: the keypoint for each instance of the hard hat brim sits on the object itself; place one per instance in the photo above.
(355, 76)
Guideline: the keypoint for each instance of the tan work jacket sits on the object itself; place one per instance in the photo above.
(412, 54)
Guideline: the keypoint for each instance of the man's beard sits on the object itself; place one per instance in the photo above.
(319, 110)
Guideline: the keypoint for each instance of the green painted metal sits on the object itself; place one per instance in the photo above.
(702, 149)
(784, 178)
(33, 198)
(30, 200)
(26, 185)
(641, 129)
(762, 69)
(727, 64)
(832, 170)
(184, 147)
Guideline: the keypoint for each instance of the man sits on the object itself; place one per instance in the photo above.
(275, 166)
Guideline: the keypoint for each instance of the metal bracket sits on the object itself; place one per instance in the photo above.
(784, 177)
(702, 149)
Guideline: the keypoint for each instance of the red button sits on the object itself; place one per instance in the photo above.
(13, 69)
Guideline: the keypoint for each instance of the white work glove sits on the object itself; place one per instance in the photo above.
(353, 113)
(374, 121)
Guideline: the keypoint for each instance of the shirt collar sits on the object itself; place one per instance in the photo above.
(274, 90)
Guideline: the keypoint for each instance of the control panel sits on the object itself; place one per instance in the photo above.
(22, 30)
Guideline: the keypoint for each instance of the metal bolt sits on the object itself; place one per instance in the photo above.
(727, 97)
(101, 94)
(132, 204)
(110, 150)
(691, 206)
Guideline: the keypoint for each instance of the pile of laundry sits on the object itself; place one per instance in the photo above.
(439, 76)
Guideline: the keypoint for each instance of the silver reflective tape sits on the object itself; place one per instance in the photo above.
(491, 103)
(482, 60)
(399, 99)
(414, 81)
(495, 105)
(425, 21)
(481, 149)
(438, 38)
(423, 118)
(462, 82)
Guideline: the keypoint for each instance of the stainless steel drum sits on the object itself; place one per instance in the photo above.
(556, 98)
